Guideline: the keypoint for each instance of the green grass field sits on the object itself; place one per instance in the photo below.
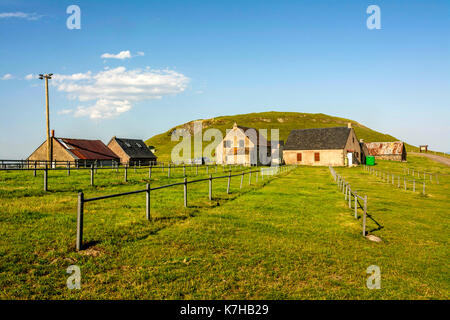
(289, 237)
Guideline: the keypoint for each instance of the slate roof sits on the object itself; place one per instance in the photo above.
(87, 149)
(384, 148)
(135, 148)
(317, 139)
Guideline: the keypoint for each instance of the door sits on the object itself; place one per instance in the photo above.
(350, 159)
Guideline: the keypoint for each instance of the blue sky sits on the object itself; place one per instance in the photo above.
(186, 60)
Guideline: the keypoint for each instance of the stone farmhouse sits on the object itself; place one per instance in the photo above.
(245, 146)
(336, 146)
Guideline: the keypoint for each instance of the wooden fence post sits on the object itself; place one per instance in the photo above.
(185, 192)
(80, 211)
(250, 176)
(207, 169)
(126, 173)
(229, 181)
(184, 170)
(168, 172)
(150, 172)
(349, 197)
(364, 217)
(346, 190)
(196, 169)
(210, 187)
(34, 173)
(46, 178)
(356, 205)
(68, 168)
(414, 185)
(147, 202)
(242, 179)
(92, 175)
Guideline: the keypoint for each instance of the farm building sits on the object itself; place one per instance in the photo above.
(132, 151)
(80, 152)
(387, 150)
(336, 146)
(242, 145)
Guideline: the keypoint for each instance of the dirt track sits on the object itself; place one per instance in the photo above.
(434, 157)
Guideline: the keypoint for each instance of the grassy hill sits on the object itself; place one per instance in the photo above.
(284, 121)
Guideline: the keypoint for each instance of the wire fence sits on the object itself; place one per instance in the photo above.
(351, 195)
(82, 200)
(171, 169)
(422, 173)
(396, 180)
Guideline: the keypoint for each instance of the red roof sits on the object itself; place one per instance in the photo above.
(87, 149)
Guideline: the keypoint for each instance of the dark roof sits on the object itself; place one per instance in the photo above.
(317, 139)
(87, 149)
(135, 148)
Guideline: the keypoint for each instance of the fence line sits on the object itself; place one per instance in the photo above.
(422, 172)
(395, 180)
(346, 189)
(93, 168)
(148, 190)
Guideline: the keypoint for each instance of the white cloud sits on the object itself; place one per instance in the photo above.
(121, 55)
(7, 76)
(20, 15)
(114, 90)
(31, 76)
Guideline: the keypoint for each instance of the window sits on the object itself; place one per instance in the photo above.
(299, 157)
(241, 143)
(139, 145)
(316, 156)
(128, 145)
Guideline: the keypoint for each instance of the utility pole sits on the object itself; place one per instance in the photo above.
(49, 141)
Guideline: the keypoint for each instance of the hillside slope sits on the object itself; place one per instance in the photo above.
(284, 121)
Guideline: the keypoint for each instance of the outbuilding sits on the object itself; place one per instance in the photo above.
(79, 152)
(132, 151)
(395, 151)
(336, 146)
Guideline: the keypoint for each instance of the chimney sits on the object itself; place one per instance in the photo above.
(349, 125)
(53, 133)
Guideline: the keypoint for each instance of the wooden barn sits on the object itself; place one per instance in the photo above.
(336, 146)
(242, 145)
(132, 151)
(395, 151)
(80, 152)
